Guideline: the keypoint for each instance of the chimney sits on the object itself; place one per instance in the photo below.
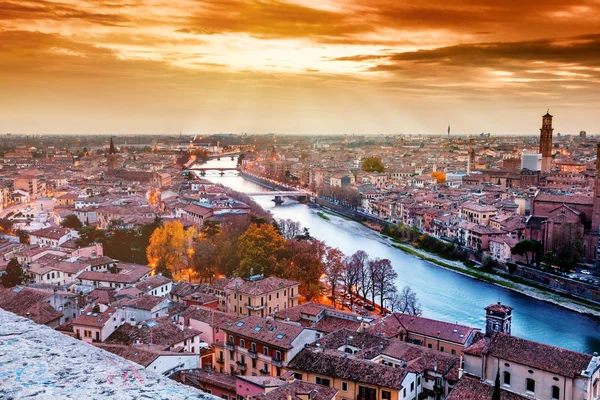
(460, 368)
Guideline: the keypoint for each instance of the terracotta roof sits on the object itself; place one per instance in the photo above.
(143, 355)
(469, 388)
(294, 313)
(51, 233)
(499, 308)
(164, 332)
(275, 333)
(201, 377)
(90, 318)
(298, 388)
(152, 283)
(559, 198)
(261, 286)
(143, 302)
(128, 274)
(330, 324)
(23, 300)
(209, 315)
(346, 367)
(102, 295)
(547, 358)
(396, 323)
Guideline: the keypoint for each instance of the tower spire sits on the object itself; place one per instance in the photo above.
(111, 149)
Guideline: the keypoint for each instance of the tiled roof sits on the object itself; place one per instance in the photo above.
(330, 324)
(128, 274)
(143, 302)
(90, 318)
(346, 367)
(261, 286)
(469, 388)
(299, 388)
(547, 358)
(24, 300)
(499, 308)
(200, 377)
(164, 333)
(152, 283)
(210, 316)
(396, 323)
(51, 233)
(276, 333)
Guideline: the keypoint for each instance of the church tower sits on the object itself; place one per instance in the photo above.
(498, 318)
(470, 157)
(546, 142)
(112, 157)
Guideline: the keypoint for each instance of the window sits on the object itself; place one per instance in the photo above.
(278, 355)
(253, 347)
(429, 345)
(224, 396)
(231, 339)
(242, 343)
(322, 381)
(254, 363)
(530, 385)
(385, 395)
(277, 294)
(555, 393)
(418, 380)
(208, 391)
(412, 386)
(299, 377)
(344, 386)
(404, 393)
(266, 351)
(442, 348)
(506, 378)
(453, 351)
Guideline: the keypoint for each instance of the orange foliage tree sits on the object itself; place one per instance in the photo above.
(439, 175)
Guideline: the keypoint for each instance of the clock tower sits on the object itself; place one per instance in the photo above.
(546, 142)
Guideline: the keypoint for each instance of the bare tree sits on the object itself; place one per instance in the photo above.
(406, 302)
(350, 277)
(361, 259)
(384, 279)
(334, 268)
(289, 229)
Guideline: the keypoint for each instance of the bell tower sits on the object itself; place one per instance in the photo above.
(498, 318)
(111, 161)
(546, 142)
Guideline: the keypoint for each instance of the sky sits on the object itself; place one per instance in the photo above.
(299, 66)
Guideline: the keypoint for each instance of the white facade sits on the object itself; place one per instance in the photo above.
(531, 161)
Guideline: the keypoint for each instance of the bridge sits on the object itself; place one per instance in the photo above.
(279, 193)
(220, 169)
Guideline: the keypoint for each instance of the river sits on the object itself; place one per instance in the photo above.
(444, 295)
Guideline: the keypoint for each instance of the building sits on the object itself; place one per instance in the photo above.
(97, 322)
(52, 237)
(34, 186)
(123, 275)
(477, 213)
(433, 334)
(257, 295)
(261, 346)
(156, 285)
(531, 161)
(546, 142)
(111, 159)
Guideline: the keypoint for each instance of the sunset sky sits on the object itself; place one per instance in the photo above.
(299, 66)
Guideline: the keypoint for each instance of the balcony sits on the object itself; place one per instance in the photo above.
(254, 308)
(264, 372)
(241, 365)
(252, 353)
(276, 362)
(230, 346)
(220, 361)
(438, 388)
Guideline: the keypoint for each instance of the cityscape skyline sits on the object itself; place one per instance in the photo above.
(299, 67)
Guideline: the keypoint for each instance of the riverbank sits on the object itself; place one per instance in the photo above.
(506, 281)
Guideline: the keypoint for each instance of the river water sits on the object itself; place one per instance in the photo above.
(444, 295)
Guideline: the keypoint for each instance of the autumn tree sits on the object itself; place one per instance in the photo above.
(439, 175)
(259, 249)
(405, 302)
(305, 264)
(384, 279)
(361, 258)
(14, 274)
(171, 244)
(71, 221)
(226, 243)
(372, 164)
(334, 268)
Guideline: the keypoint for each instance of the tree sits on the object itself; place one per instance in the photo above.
(161, 268)
(439, 175)
(527, 248)
(384, 279)
(14, 274)
(71, 221)
(6, 225)
(23, 236)
(259, 250)
(361, 258)
(334, 268)
(496, 392)
(406, 302)
(289, 229)
(227, 241)
(567, 245)
(170, 244)
(205, 258)
(350, 277)
(304, 263)
(372, 164)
